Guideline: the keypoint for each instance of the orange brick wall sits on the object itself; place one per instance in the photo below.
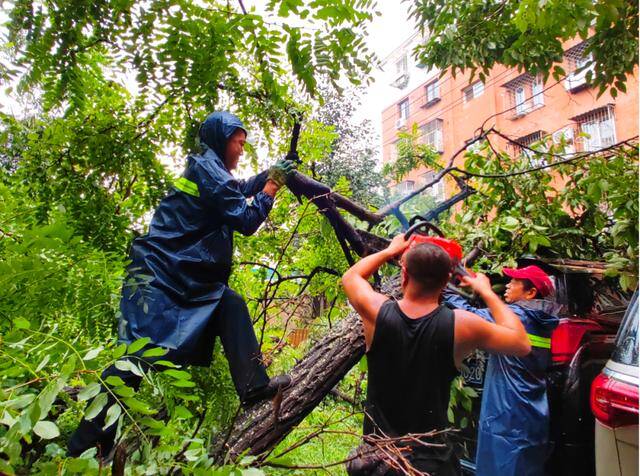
(461, 120)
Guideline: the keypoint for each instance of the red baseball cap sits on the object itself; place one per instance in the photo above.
(538, 278)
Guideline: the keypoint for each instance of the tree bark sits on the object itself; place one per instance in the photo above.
(264, 425)
(259, 429)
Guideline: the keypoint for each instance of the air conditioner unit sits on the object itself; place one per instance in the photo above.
(401, 80)
(400, 123)
(577, 80)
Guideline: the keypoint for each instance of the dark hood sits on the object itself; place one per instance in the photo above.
(216, 130)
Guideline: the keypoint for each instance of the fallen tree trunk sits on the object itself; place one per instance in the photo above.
(263, 426)
(259, 429)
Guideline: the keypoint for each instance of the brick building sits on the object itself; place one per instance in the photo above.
(448, 111)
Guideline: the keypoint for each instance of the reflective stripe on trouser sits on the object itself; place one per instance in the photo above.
(187, 186)
(538, 341)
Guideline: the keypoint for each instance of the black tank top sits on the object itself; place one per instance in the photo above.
(411, 366)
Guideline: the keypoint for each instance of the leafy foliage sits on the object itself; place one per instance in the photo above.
(529, 34)
(81, 172)
(353, 154)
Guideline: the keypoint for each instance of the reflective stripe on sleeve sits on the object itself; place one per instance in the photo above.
(537, 341)
(187, 186)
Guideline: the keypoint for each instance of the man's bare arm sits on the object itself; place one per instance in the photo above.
(364, 299)
(506, 336)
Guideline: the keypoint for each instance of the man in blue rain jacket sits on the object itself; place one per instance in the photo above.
(177, 290)
(513, 431)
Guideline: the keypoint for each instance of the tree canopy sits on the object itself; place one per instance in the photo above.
(116, 90)
(529, 34)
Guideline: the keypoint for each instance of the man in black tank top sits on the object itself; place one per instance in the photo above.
(414, 348)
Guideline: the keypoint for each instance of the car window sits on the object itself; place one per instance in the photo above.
(626, 351)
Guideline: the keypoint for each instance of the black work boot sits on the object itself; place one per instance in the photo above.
(255, 395)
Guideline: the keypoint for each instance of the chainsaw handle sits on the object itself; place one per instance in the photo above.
(423, 224)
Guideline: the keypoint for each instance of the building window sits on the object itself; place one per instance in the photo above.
(532, 141)
(433, 93)
(525, 93)
(431, 134)
(580, 65)
(473, 91)
(437, 189)
(537, 91)
(520, 99)
(405, 187)
(403, 113)
(400, 78)
(599, 126)
(402, 65)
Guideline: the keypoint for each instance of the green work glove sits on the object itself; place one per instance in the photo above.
(281, 171)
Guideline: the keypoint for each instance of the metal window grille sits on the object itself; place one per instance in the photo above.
(432, 134)
(531, 141)
(436, 190)
(537, 91)
(525, 94)
(579, 66)
(599, 126)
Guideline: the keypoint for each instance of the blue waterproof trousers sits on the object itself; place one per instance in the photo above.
(232, 323)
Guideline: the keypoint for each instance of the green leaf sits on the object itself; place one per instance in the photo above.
(46, 430)
(114, 381)
(182, 412)
(128, 366)
(113, 413)
(19, 402)
(139, 406)
(124, 391)
(93, 353)
(177, 374)
(155, 352)
(89, 391)
(362, 365)
(183, 383)
(166, 363)
(119, 351)
(21, 323)
(137, 345)
(252, 472)
(96, 406)
(43, 363)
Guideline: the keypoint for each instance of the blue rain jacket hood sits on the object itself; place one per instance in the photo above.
(180, 268)
(513, 431)
(216, 130)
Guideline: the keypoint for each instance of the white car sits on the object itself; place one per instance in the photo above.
(614, 402)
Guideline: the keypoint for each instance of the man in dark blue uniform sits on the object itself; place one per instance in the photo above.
(177, 290)
(513, 432)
